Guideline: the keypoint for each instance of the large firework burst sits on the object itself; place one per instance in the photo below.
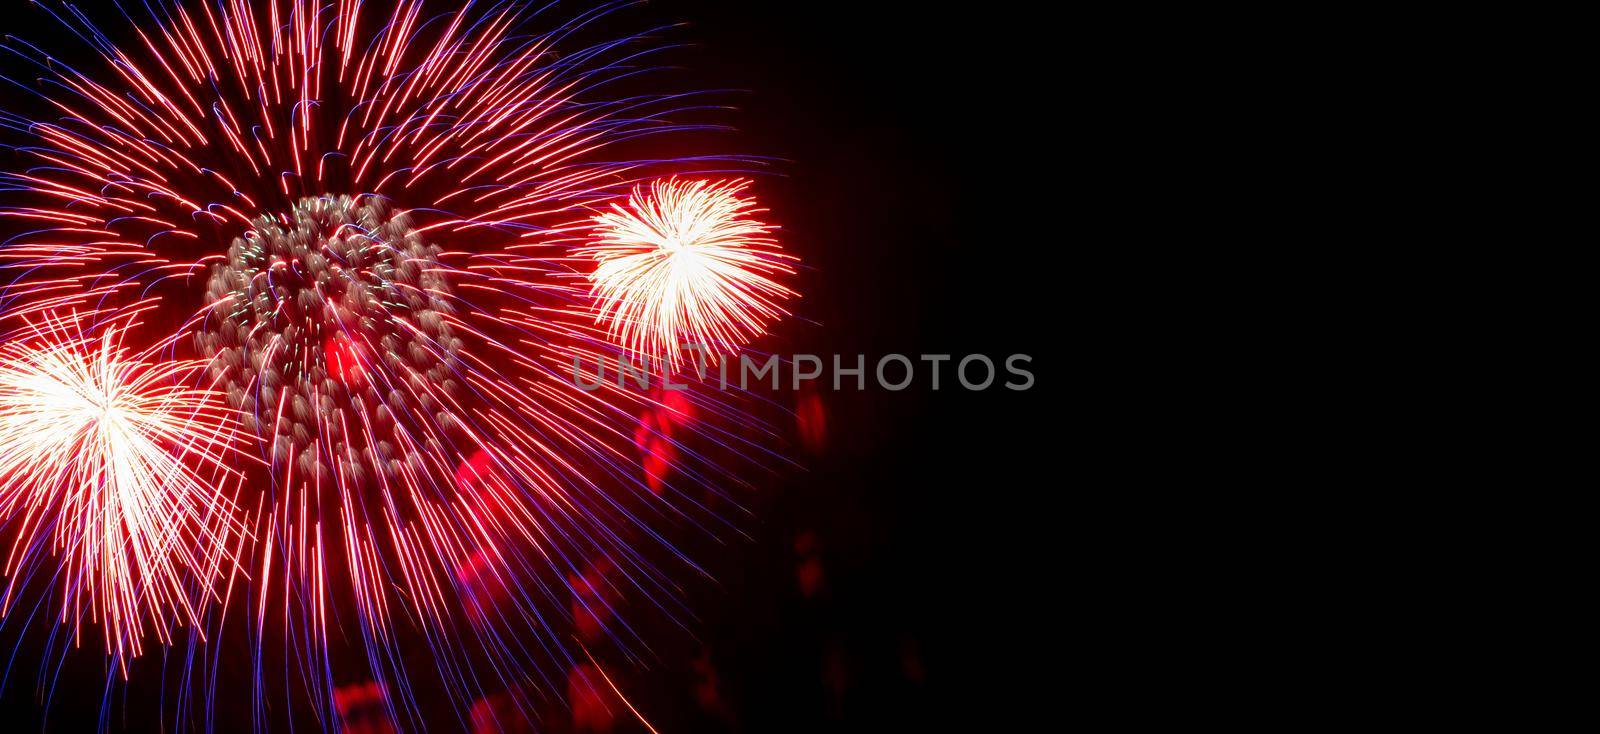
(361, 217)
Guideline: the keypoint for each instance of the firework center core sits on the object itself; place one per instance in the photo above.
(330, 330)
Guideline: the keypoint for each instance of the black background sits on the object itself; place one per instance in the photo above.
(923, 180)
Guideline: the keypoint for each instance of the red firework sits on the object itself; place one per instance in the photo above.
(359, 217)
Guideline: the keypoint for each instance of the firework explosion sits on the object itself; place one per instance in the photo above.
(685, 263)
(368, 222)
(120, 472)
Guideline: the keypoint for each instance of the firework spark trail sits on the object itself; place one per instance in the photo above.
(685, 262)
(401, 193)
(96, 448)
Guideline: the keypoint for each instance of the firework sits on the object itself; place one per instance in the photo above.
(360, 218)
(686, 263)
(324, 325)
(110, 463)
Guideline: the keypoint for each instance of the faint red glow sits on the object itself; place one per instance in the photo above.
(708, 688)
(363, 709)
(811, 417)
(808, 572)
(836, 677)
(499, 714)
(484, 587)
(590, 699)
(672, 413)
(594, 599)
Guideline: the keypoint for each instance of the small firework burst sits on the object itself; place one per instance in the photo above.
(116, 467)
(686, 263)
